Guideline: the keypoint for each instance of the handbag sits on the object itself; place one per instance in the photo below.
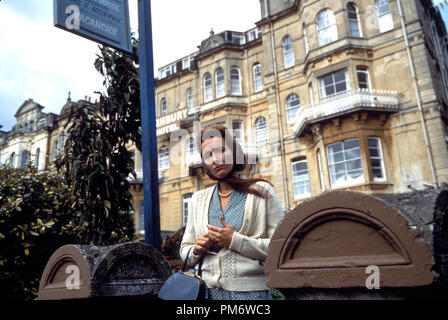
(184, 285)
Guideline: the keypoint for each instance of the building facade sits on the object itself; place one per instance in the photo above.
(322, 95)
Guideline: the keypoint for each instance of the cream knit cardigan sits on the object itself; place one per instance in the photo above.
(241, 267)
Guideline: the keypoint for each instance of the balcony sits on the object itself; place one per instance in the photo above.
(345, 103)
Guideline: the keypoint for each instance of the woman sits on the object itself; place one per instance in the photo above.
(231, 222)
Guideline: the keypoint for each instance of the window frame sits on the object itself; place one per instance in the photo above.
(220, 83)
(186, 200)
(289, 106)
(385, 19)
(163, 107)
(330, 27)
(190, 101)
(322, 86)
(380, 157)
(258, 80)
(208, 88)
(233, 81)
(295, 179)
(261, 131)
(354, 20)
(333, 175)
(165, 161)
(288, 52)
(363, 70)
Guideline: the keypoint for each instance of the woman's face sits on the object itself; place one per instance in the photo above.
(217, 156)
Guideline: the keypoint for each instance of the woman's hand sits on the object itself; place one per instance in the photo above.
(221, 236)
(202, 244)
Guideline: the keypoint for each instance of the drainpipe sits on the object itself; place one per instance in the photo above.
(249, 128)
(417, 94)
(280, 124)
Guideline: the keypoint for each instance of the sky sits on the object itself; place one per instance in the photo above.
(44, 63)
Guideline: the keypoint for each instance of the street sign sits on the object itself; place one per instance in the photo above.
(103, 21)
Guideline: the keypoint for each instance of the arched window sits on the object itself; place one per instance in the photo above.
(25, 159)
(36, 158)
(55, 150)
(190, 103)
(208, 91)
(258, 84)
(164, 158)
(353, 20)
(235, 80)
(61, 142)
(12, 159)
(163, 107)
(326, 27)
(288, 52)
(220, 83)
(261, 131)
(292, 106)
(385, 19)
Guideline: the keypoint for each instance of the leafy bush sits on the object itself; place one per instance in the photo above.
(37, 216)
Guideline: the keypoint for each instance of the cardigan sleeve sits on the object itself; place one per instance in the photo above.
(257, 248)
(189, 238)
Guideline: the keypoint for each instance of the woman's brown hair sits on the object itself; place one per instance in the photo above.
(239, 162)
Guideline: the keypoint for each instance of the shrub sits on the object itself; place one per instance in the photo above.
(37, 216)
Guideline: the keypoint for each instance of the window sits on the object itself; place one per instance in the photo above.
(300, 179)
(333, 83)
(385, 19)
(363, 78)
(220, 83)
(12, 159)
(163, 107)
(288, 52)
(326, 27)
(190, 103)
(344, 162)
(352, 13)
(55, 150)
(191, 149)
(36, 158)
(141, 218)
(187, 62)
(61, 142)
(292, 106)
(376, 159)
(25, 159)
(235, 80)
(237, 38)
(261, 131)
(164, 158)
(238, 131)
(167, 71)
(186, 207)
(258, 84)
(208, 91)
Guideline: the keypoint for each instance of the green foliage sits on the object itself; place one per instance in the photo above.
(96, 162)
(37, 216)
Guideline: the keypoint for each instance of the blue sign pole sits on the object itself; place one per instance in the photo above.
(149, 138)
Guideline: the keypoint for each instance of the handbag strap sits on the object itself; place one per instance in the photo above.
(201, 260)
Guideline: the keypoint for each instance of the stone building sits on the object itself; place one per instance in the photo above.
(322, 95)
